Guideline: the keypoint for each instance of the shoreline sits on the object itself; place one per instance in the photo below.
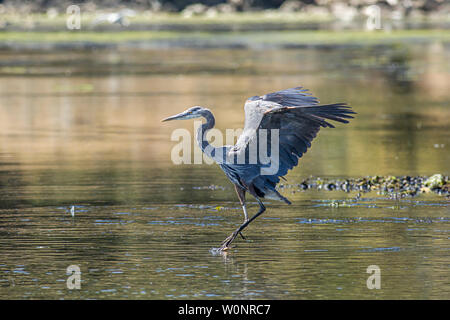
(264, 20)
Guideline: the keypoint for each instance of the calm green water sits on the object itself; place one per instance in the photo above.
(83, 129)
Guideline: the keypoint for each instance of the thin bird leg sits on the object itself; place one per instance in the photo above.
(241, 195)
(226, 243)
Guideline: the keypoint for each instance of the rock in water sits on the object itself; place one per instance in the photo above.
(435, 181)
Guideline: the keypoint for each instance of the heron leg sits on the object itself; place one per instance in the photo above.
(226, 243)
(241, 195)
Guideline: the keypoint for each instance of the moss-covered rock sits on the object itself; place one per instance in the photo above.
(435, 181)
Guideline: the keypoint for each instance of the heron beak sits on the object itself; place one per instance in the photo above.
(179, 116)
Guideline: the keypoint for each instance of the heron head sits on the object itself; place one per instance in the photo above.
(191, 113)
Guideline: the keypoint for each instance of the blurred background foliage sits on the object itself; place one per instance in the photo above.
(403, 7)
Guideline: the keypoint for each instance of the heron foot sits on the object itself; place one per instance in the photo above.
(227, 242)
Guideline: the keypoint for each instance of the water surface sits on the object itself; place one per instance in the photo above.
(83, 129)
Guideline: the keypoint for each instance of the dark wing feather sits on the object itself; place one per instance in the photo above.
(294, 97)
(298, 126)
(295, 113)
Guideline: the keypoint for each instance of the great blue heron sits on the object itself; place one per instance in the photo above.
(296, 117)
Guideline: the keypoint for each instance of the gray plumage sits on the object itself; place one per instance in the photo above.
(293, 114)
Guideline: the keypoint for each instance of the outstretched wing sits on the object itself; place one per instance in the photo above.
(256, 107)
(297, 117)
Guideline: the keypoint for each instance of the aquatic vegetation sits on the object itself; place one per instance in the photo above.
(396, 187)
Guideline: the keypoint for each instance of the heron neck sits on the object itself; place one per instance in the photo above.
(203, 129)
